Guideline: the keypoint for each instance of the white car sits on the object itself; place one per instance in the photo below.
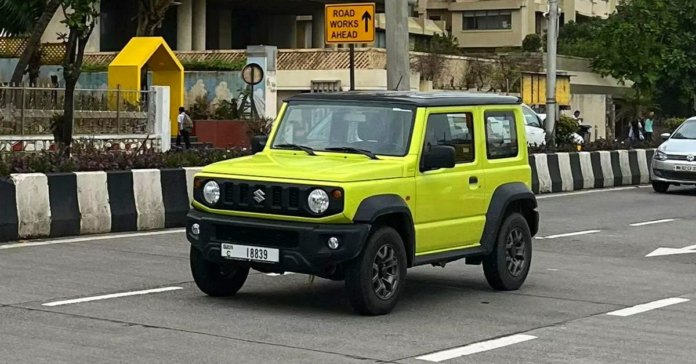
(534, 125)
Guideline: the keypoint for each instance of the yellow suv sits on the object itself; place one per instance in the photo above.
(361, 186)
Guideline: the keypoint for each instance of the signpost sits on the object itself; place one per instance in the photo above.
(252, 74)
(350, 24)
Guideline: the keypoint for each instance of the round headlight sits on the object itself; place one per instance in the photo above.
(211, 192)
(318, 201)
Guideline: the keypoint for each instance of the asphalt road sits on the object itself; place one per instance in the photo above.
(589, 272)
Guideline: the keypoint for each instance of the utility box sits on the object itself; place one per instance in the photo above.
(534, 89)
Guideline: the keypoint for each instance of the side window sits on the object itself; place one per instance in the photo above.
(456, 130)
(501, 134)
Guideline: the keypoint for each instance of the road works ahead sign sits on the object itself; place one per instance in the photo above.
(350, 23)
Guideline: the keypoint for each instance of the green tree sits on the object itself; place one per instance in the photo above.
(578, 39)
(80, 19)
(653, 44)
(531, 43)
(22, 18)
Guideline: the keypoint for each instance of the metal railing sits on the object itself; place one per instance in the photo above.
(33, 111)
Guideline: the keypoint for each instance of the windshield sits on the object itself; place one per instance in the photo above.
(383, 130)
(686, 131)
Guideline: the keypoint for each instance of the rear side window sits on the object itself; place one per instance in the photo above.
(501, 135)
(456, 130)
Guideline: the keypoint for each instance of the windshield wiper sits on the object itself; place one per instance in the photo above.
(303, 148)
(353, 150)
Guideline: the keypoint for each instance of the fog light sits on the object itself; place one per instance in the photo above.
(333, 243)
(195, 229)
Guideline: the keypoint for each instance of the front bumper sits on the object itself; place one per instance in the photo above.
(302, 246)
(663, 171)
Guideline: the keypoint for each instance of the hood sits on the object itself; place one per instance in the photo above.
(679, 146)
(327, 168)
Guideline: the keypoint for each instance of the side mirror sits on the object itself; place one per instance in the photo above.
(438, 157)
(665, 136)
(258, 143)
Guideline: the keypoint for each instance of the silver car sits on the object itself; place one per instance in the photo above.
(674, 162)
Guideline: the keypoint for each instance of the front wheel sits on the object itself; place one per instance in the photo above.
(660, 187)
(507, 267)
(215, 279)
(376, 278)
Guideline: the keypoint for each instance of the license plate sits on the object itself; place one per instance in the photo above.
(683, 168)
(243, 252)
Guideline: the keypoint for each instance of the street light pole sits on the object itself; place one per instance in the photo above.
(551, 105)
(398, 57)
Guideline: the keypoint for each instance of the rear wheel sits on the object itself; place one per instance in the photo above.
(214, 279)
(376, 278)
(660, 187)
(507, 267)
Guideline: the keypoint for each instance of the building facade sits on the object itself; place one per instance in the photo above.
(198, 25)
(486, 24)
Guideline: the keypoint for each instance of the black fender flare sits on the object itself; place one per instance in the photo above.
(374, 207)
(502, 198)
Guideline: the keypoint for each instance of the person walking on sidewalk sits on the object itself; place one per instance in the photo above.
(185, 128)
(649, 126)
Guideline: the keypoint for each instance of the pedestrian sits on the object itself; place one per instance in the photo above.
(185, 128)
(649, 121)
(634, 133)
(576, 116)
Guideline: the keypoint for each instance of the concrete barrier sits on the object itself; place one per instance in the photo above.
(567, 172)
(93, 200)
(147, 190)
(33, 205)
(39, 205)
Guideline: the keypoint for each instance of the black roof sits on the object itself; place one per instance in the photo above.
(419, 99)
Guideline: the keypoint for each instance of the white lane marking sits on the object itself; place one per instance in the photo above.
(647, 307)
(278, 274)
(599, 190)
(476, 348)
(672, 251)
(652, 222)
(114, 295)
(91, 238)
(571, 234)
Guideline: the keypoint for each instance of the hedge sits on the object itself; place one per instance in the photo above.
(92, 159)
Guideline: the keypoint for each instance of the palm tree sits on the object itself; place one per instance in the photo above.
(27, 17)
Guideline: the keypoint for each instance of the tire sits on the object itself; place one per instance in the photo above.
(384, 248)
(214, 279)
(660, 187)
(504, 272)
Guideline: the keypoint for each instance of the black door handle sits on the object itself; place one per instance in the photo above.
(473, 180)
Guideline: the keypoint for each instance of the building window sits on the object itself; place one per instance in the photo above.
(487, 20)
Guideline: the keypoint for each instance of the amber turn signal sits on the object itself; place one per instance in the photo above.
(197, 183)
(337, 194)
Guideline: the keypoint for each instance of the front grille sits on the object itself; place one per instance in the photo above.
(681, 176)
(271, 198)
(294, 201)
(676, 157)
(277, 196)
(256, 237)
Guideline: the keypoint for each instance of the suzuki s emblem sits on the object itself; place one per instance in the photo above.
(690, 157)
(259, 196)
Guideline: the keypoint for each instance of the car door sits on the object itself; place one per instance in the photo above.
(450, 208)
